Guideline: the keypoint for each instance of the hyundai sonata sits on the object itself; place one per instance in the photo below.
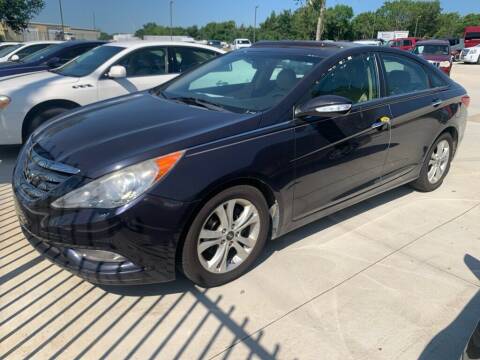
(197, 174)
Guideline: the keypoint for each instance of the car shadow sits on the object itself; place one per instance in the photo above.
(182, 284)
(451, 341)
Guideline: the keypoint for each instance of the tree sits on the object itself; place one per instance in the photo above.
(364, 25)
(16, 14)
(105, 36)
(338, 22)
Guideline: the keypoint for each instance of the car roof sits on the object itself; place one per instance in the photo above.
(142, 43)
(322, 48)
(433, 42)
(41, 42)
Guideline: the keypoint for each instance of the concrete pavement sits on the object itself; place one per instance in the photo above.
(395, 277)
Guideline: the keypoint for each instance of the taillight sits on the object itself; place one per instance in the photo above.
(466, 100)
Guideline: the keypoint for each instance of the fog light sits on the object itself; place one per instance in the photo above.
(100, 255)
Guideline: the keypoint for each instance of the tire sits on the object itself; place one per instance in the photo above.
(195, 264)
(424, 183)
(41, 118)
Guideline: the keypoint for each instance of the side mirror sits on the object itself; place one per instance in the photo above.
(14, 58)
(324, 106)
(53, 62)
(117, 72)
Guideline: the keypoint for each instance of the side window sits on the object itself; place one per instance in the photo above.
(145, 62)
(354, 78)
(404, 75)
(407, 42)
(30, 50)
(70, 54)
(237, 73)
(184, 58)
(436, 80)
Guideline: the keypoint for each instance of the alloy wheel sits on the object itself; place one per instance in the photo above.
(438, 162)
(228, 236)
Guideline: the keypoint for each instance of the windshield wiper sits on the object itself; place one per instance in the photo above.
(200, 102)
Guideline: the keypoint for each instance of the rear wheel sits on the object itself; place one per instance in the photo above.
(436, 165)
(41, 118)
(226, 237)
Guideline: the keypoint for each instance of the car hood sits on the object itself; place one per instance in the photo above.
(105, 136)
(33, 80)
(435, 57)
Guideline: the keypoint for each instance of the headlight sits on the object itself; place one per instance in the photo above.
(445, 64)
(4, 101)
(120, 187)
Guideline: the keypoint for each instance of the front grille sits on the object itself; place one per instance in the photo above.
(41, 174)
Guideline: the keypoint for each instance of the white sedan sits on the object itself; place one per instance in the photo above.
(105, 72)
(471, 55)
(20, 50)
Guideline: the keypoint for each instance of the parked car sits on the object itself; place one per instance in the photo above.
(406, 44)
(373, 42)
(472, 350)
(456, 47)
(471, 55)
(22, 50)
(103, 72)
(240, 44)
(198, 173)
(48, 58)
(215, 43)
(7, 44)
(436, 52)
(472, 36)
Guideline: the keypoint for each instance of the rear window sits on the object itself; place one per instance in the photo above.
(472, 35)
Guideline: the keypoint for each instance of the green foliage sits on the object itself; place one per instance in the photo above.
(16, 14)
(424, 17)
(105, 36)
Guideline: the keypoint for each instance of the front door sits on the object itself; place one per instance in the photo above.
(146, 68)
(338, 158)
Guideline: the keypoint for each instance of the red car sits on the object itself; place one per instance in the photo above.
(472, 36)
(407, 43)
(436, 52)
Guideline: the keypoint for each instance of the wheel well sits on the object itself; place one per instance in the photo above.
(454, 133)
(45, 106)
(258, 184)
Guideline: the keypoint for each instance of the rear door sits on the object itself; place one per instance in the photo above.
(419, 104)
(338, 158)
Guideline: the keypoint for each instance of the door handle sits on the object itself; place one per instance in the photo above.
(437, 102)
(381, 122)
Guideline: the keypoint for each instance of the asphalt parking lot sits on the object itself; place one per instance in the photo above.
(395, 277)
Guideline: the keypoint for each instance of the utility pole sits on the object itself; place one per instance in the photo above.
(255, 23)
(416, 26)
(94, 25)
(171, 19)
(61, 17)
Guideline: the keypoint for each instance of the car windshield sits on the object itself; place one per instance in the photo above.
(41, 54)
(7, 49)
(431, 50)
(241, 81)
(243, 41)
(472, 35)
(88, 62)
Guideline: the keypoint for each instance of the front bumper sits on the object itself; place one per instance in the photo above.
(470, 58)
(145, 232)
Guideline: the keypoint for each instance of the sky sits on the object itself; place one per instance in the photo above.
(126, 16)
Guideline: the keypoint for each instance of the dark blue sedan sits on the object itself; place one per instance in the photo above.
(197, 174)
(50, 57)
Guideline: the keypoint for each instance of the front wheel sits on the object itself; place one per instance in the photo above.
(436, 164)
(226, 237)
(41, 118)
